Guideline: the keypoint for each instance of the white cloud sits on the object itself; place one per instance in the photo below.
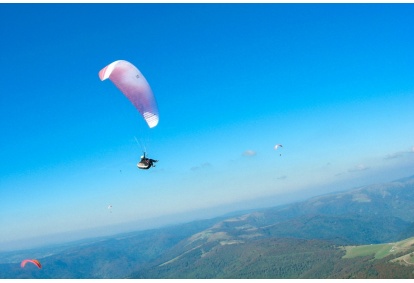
(359, 167)
(393, 155)
(249, 153)
(282, 177)
(202, 166)
(399, 154)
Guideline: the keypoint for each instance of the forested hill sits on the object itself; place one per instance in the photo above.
(368, 215)
(302, 240)
(283, 258)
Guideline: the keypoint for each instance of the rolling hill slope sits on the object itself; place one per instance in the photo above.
(368, 215)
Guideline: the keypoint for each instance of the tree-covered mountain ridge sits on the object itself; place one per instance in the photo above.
(366, 216)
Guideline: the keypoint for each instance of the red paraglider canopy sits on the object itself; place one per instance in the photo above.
(34, 261)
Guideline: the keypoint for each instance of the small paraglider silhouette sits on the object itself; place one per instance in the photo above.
(277, 146)
(110, 208)
(34, 261)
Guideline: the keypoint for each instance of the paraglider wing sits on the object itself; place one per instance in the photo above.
(130, 81)
(277, 146)
(34, 261)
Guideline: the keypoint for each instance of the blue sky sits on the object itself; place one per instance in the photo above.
(333, 83)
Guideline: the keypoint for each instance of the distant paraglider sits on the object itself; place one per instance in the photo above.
(34, 261)
(130, 81)
(110, 208)
(277, 146)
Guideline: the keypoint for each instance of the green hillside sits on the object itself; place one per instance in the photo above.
(381, 250)
(303, 240)
(285, 258)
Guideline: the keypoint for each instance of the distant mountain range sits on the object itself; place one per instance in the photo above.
(309, 239)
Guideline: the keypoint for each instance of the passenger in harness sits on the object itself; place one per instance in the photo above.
(146, 163)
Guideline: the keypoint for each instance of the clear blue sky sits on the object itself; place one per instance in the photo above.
(333, 83)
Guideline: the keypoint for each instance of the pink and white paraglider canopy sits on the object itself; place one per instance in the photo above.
(130, 81)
